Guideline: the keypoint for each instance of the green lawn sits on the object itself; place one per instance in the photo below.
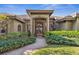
(57, 50)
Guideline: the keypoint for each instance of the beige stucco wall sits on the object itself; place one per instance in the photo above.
(50, 23)
(68, 25)
(27, 24)
(13, 26)
(33, 26)
(10, 26)
(62, 25)
(76, 24)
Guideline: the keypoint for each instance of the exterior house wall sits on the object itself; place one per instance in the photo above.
(61, 26)
(16, 23)
(27, 26)
(13, 26)
(76, 24)
(51, 24)
(68, 25)
(10, 26)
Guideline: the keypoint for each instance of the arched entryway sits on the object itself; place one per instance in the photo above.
(39, 29)
(19, 28)
(39, 26)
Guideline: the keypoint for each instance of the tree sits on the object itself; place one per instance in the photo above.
(4, 22)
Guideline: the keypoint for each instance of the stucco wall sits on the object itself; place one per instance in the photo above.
(68, 25)
(27, 26)
(13, 26)
(16, 23)
(10, 26)
(76, 24)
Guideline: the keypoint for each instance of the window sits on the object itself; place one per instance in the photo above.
(2, 31)
(19, 28)
(50, 27)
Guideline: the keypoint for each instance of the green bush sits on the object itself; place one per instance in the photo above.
(2, 37)
(15, 40)
(16, 34)
(56, 51)
(62, 37)
(65, 33)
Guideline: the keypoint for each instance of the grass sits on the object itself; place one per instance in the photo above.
(57, 50)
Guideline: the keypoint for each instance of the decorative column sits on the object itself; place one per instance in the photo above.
(31, 25)
(48, 24)
(76, 27)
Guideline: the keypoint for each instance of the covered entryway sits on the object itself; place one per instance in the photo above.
(39, 29)
(40, 26)
(39, 21)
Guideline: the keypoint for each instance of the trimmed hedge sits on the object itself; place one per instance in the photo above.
(14, 40)
(62, 37)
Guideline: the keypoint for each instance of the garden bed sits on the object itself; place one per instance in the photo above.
(63, 37)
(14, 40)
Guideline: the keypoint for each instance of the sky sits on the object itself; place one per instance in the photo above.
(59, 9)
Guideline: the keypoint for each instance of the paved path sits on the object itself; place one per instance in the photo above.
(40, 42)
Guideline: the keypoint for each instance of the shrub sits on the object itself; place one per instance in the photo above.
(61, 37)
(3, 37)
(65, 33)
(15, 40)
(16, 34)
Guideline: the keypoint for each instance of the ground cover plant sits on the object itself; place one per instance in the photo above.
(63, 37)
(14, 40)
(65, 33)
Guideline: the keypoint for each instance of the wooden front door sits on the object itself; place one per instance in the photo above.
(39, 29)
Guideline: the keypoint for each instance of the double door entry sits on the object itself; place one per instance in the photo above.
(39, 29)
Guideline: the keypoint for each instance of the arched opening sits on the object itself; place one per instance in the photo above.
(19, 28)
(39, 26)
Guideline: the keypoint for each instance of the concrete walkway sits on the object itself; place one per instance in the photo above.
(40, 42)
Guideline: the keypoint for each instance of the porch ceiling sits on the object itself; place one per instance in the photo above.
(40, 11)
